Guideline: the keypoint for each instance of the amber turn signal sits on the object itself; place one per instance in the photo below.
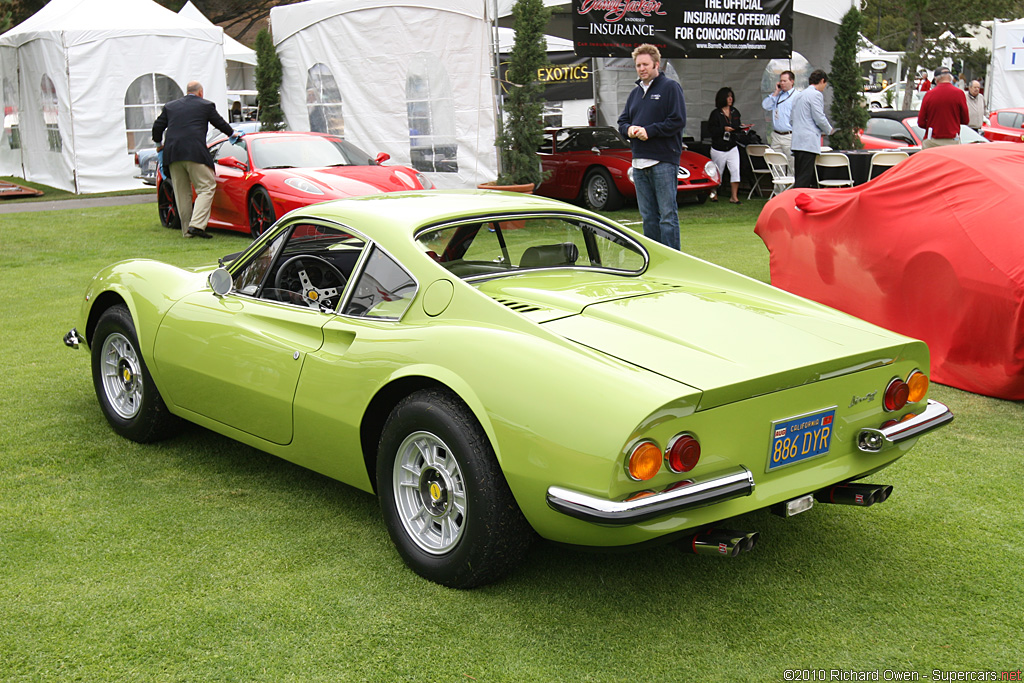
(918, 383)
(644, 461)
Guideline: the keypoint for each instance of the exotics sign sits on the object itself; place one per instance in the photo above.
(733, 29)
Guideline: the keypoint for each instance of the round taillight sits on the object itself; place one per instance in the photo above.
(918, 383)
(644, 461)
(896, 395)
(682, 453)
(889, 423)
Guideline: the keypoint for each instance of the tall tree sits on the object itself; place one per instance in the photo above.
(848, 112)
(268, 82)
(523, 130)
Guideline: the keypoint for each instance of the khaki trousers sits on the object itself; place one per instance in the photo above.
(939, 142)
(186, 175)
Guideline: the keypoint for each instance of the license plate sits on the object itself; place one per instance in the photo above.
(796, 439)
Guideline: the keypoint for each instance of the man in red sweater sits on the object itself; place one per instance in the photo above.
(943, 109)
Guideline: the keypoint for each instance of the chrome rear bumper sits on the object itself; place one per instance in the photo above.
(697, 493)
(934, 416)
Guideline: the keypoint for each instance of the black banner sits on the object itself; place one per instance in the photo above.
(733, 29)
(565, 77)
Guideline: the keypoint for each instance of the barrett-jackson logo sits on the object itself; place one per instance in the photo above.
(616, 9)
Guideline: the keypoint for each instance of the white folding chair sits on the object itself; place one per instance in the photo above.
(778, 164)
(755, 155)
(833, 160)
(882, 161)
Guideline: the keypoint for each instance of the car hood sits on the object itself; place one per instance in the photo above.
(729, 346)
(353, 181)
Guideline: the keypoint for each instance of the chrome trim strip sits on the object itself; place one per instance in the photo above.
(71, 339)
(705, 491)
(934, 416)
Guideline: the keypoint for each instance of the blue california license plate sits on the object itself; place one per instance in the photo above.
(796, 439)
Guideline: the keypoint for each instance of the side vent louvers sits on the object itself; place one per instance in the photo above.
(518, 306)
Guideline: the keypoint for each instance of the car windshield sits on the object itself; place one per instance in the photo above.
(967, 135)
(584, 139)
(494, 247)
(306, 151)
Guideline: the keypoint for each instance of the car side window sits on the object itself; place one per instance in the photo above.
(308, 264)
(384, 289)
(227, 149)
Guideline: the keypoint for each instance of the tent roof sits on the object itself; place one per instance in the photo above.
(507, 38)
(85, 21)
(287, 20)
(234, 51)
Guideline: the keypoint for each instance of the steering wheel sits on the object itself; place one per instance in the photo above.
(328, 277)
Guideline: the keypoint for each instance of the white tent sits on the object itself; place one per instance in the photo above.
(410, 80)
(241, 67)
(1005, 84)
(414, 80)
(83, 81)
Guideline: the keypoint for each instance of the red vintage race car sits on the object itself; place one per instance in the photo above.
(1004, 125)
(940, 265)
(593, 166)
(263, 176)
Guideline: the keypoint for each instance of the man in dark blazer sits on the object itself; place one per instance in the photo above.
(185, 153)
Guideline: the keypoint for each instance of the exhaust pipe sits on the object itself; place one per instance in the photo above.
(862, 495)
(721, 542)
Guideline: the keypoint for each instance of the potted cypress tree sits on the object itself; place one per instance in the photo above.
(523, 129)
(849, 114)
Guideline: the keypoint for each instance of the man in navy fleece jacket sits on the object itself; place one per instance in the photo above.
(653, 121)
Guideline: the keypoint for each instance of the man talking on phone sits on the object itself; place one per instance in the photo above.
(780, 104)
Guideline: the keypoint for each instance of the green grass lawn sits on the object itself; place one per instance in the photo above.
(199, 559)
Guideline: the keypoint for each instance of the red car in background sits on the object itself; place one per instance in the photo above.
(262, 176)
(593, 165)
(888, 129)
(932, 249)
(1004, 125)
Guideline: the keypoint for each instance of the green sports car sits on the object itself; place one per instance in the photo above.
(496, 366)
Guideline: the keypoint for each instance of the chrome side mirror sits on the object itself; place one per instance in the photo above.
(220, 281)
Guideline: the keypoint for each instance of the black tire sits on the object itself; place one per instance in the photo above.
(474, 532)
(701, 197)
(126, 392)
(165, 205)
(261, 212)
(599, 191)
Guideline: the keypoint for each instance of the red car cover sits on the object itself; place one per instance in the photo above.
(933, 248)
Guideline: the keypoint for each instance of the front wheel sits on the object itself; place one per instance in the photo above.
(261, 212)
(444, 499)
(124, 387)
(600, 193)
(165, 205)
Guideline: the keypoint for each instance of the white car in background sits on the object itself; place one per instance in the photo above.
(883, 100)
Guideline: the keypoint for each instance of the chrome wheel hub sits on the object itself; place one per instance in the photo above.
(122, 376)
(430, 493)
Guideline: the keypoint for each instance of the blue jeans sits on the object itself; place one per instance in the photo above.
(656, 197)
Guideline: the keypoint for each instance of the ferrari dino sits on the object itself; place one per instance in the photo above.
(496, 366)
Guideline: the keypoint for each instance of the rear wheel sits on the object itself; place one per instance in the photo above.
(443, 496)
(261, 212)
(600, 193)
(168, 210)
(124, 387)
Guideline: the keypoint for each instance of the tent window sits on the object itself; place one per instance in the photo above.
(323, 102)
(431, 114)
(50, 113)
(11, 135)
(145, 98)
